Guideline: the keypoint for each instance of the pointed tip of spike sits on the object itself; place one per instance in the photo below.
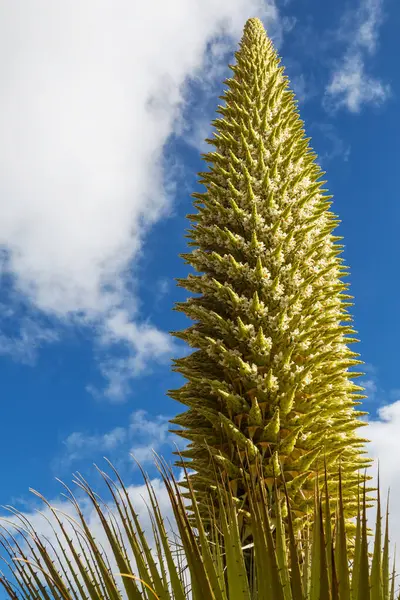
(253, 24)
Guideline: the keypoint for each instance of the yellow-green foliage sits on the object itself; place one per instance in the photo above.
(272, 372)
(196, 563)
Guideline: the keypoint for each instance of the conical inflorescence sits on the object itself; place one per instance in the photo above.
(271, 373)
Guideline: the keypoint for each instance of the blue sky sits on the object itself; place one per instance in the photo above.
(103, 116)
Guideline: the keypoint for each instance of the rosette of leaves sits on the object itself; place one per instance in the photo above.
(272, 373)
(114, 559)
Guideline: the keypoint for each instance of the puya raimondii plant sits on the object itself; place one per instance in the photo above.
(272, 373)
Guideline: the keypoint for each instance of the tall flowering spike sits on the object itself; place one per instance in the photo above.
(271, 371)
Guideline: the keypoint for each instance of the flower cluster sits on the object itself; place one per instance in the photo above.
(271, 321)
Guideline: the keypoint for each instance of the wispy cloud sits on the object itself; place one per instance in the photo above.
(302, 88)
(334, 145)
(371, 388)
(376, 395)
(351, 86)
(22, 329)
(148, 436)
(78, 445)
(22, 345)
(143, 434)
(141, 343)
(89, 100)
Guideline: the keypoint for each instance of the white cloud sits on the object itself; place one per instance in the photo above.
(90, 94)
(384, 433)
(351, 86)
(142, 435)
